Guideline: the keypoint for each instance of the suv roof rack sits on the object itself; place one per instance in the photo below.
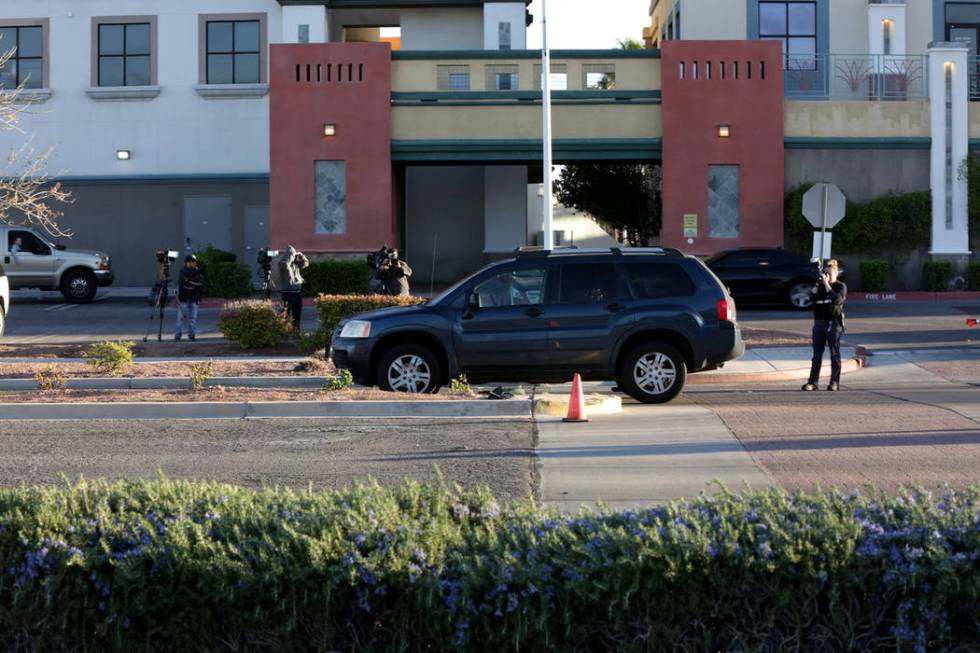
(537, 251)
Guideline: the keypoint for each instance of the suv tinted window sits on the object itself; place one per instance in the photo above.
(657, 280)
(512, 288)
(589, 283)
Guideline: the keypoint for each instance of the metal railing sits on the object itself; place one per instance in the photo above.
(856, 77)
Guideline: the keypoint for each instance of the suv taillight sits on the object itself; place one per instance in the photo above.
(726, 310)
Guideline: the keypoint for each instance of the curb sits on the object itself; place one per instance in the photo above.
(913, 296)
(556, 405)
(264, 410)
(847, 366)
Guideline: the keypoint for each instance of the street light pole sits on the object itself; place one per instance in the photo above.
(549, 200)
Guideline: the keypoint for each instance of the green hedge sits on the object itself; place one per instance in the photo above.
(212, 255)
(336, 278)
(228, 280)
(874, 276)
(333, 308)
(254, 324)
(201, 566)
(936, 275)
(901, 222)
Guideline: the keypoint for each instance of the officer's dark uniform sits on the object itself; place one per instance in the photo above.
(828, 327)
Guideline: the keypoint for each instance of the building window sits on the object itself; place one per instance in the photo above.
(599, 76)
(503, 35)
(792, 23)
(558, 79)
(502, 78)
(124, 54)
(724, 198)
(303, 34)
(26, 64)
(330, 212)
(234, 53)
(453, 78)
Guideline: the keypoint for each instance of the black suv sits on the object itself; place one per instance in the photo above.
(640, 317)
(766, 275)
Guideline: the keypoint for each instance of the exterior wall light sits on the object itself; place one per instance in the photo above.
(724, 131)
(330, 129)
(948, 66)
(123, 155)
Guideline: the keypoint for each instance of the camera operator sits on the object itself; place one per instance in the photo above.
(291, 283)
(189, 287)
(828, 296)
(390, 274)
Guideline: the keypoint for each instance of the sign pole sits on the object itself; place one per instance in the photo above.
(549, 199)
(823, 228)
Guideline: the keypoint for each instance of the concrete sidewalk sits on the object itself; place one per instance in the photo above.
(644, 456)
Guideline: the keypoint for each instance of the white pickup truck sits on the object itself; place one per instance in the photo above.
(4, 300)
(31, 260)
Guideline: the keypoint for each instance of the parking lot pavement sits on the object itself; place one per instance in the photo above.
(253, 453)
(894, 423)
(50, 321)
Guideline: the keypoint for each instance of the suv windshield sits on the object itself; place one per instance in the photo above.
(456, 286)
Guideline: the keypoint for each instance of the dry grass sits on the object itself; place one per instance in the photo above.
(214, 394)
(148, 370)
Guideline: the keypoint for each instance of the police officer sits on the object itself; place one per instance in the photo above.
(828, 297)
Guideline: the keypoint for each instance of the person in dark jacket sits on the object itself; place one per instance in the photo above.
(828, 296)
(291, 265)
(190, 284)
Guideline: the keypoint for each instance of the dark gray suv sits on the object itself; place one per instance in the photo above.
(642, 317)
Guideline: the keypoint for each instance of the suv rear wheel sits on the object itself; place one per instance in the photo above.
(653, 373)
(79, 287)
(798, 295)
(409, 368)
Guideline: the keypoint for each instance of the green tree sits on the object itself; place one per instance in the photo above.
(623, 198)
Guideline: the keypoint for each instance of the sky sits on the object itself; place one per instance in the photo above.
(588, 24)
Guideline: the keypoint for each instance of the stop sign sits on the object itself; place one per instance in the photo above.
(821, 200)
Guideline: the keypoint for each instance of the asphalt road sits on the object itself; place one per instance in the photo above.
(884, 326)
(907, 325)
(253, 453)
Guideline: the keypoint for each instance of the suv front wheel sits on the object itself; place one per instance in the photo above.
(653, 373)
(409, 368)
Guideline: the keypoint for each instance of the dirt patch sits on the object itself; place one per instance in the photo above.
(755, 338)
(216, 394)
(169, 369)
(164, 349)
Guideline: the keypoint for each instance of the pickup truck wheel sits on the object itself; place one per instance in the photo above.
(79, 287)
(653, 373)
(409, 368)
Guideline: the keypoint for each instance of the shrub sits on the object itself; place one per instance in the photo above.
(874, 276)
(228, 280)
(205, 566)
(336, 278)
(901, 221)
(974, 274)
(936, 274)
(333, 308)
(254, 324)
(201, 372)
(313, 341)
(340, 381)
(460, 386)
(212, 256)
(110, 357)
(50, 378)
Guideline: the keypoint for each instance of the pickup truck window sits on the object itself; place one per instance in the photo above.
(29, 243)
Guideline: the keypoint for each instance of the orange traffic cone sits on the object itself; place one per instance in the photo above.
(576, 403)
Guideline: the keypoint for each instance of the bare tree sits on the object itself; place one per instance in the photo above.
(28, 194)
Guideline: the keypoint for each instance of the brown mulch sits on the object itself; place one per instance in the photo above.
(167, 348)
(216, 394)
(755, 338)
(169, 369)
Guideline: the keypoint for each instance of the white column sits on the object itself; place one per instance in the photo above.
(886, 20)
(510, 13)
(949, 105)
(310, 19)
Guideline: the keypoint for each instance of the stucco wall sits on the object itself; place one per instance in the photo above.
(453, 216)
(861, 174)
(857, 119)
(446, 29)
(713, 20)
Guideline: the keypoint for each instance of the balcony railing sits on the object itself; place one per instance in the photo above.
(879, 77)
(973, 73)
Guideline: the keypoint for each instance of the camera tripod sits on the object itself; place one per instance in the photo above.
(160, 301)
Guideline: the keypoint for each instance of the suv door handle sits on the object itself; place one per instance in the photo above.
(615, 307)
(534, 312)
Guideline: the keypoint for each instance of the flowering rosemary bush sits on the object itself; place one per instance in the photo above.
(202, 566)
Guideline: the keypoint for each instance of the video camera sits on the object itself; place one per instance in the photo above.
(266, 256)
(383, 258)
(165, 257)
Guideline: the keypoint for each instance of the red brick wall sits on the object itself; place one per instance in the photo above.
(348, 85)
(692, 111)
